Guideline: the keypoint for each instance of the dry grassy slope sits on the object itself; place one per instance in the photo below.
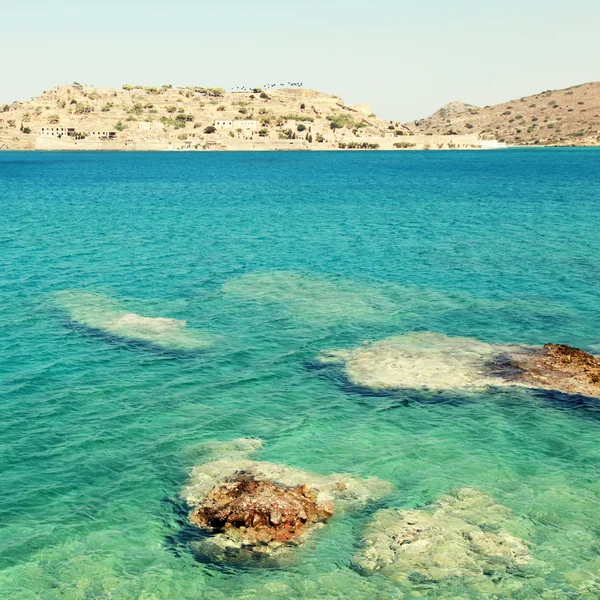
(558, 117)
(94, 109)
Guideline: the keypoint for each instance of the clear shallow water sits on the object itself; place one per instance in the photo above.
(277, 257)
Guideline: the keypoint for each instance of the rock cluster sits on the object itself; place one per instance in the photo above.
(259, 511)
(461, 535)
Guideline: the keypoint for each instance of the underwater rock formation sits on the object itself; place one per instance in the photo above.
(314, 297)
(558, 367)
(461, 535)
(260, 512)
(99, 313)
(256, 508)
(426, 360)
(433, 361)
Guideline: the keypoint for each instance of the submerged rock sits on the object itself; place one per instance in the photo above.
(421, 360)
(434, 361)
(461, 535)
(261, 512)
(99, 313)
(254, 508)
(314, 297)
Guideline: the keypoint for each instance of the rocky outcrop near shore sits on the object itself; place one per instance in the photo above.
(559, 367)
(257, 509)
(436, 362)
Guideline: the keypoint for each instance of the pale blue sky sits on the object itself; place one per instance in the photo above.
(405, 57)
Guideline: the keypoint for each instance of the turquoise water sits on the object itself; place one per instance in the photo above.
(271, 258)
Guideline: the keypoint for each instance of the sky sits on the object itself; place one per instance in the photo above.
(406, 58)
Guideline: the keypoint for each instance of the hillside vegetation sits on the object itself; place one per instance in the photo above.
(556, 117)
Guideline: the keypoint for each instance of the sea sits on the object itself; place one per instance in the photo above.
(156, 305)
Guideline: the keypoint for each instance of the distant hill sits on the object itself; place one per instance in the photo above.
(165, 117)
(77, 117)
(556, 117)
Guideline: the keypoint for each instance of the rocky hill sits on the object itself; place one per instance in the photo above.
(556, 117)
(145, 117)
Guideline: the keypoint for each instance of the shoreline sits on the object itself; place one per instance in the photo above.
(296, 149)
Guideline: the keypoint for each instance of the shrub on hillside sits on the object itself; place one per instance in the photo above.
(302, 118)
(342, 120)
(210, 129)
(83, 109)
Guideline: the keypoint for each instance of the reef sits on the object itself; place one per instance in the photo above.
(314, 297)
(422, 360)
(252, 509)
(99, 313)
(461, 535)
(432, 361)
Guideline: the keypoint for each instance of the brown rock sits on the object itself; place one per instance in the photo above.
(556, 366)
(257, 511)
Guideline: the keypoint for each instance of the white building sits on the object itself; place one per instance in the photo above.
(224, 124)
(70, 131)
(246, 125)
(56, 131)
(101, 134)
